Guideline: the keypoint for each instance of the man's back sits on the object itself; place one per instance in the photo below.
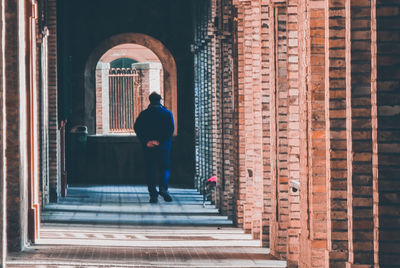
(155, 123)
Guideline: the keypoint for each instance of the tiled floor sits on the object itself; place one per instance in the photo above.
(129, 205)
(104, 226)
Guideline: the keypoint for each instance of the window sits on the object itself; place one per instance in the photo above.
(125, 76)
(123, 84)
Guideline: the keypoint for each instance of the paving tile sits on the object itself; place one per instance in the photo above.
(115, 226)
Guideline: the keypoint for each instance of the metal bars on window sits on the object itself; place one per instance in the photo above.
(122, 85)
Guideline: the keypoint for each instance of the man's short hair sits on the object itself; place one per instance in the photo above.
(154, 97)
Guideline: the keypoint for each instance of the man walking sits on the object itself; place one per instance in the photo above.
(154, 128)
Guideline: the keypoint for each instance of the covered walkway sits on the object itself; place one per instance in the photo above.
(293, 105)
(115, 226)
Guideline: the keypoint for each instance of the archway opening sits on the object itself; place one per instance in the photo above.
(125, 76)
(146, 48)
(109, 152)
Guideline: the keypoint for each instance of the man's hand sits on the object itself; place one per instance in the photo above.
(151, 144)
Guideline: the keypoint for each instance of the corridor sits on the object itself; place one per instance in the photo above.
(115, 226)
(292, 107)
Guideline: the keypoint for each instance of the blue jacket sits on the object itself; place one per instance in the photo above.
(155, 123)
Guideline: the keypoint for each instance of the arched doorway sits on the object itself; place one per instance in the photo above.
(163, 54)
(125, 76)
(105, 157)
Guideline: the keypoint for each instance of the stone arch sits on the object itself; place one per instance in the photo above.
(166, 58)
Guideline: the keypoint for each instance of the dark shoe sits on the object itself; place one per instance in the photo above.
(153, 199)
(166, 196)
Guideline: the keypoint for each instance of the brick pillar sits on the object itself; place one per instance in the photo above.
(214, 104)
(3, 222)
(388, 132)
(267, 80)
(102, 98)
(360, 143)
(54, 136)
(203, 93)
(228, 174)
(44, 120)
(257, 127)
(241, 188)
(293, 133)
(313, 189)
(304, 52)
(16, 121)
(250, 117)
(280, 148)
(335, 115)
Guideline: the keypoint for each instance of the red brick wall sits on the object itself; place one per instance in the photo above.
(309, 68)
(285, 90)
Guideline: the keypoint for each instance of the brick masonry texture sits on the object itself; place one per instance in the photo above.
(305, 95)
(54, 135)
(286, 92)
(14, 137)
(360, 175)
(2, 144)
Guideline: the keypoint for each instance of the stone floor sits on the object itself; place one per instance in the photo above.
(115, 226)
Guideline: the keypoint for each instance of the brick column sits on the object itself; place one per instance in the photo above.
(293, 133)
(240, 198)
(54, 137)
(250, 117)
(313, 189)
(3, 222)
(360, 143)
(256, 152)
(267, 85)
(304, 52)
(204, 83)
(335, 115)
(102, 98)
(214, 106)
(279, 111)
(226, 77)
(16, 122)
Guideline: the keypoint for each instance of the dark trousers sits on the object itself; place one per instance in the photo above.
(157, 165)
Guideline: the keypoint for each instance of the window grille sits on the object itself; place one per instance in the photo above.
(122, 85)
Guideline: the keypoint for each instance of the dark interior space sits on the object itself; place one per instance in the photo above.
(118, 160)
